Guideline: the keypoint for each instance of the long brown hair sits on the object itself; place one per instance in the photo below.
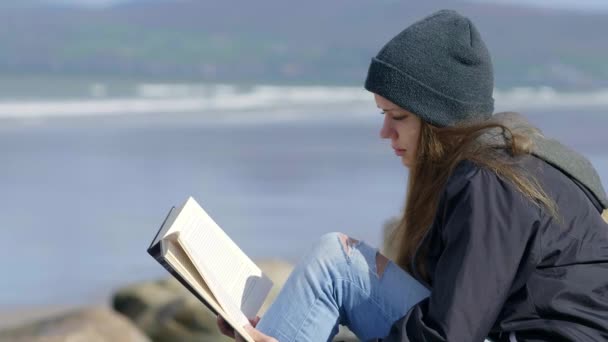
(439, 151)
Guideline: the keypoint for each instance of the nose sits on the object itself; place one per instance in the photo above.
(387, 131)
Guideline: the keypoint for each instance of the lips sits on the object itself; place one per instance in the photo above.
(399, 151)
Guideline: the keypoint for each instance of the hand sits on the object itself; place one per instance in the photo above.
(256, 334)
(227, 330)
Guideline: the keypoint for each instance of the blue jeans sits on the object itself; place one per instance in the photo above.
(335, 285)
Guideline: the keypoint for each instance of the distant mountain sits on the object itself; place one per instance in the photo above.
(310, 41)
(98, 3)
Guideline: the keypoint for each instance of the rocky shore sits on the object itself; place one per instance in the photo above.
(154, 311)
(158, 311)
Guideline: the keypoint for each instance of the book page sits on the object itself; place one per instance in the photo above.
(180, 262)
(238, 284)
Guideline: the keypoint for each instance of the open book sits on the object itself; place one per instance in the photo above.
(196, 251)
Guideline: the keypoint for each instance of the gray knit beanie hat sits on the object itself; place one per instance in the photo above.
(438, 68)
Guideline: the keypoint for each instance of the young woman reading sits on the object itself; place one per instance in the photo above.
(501, 237)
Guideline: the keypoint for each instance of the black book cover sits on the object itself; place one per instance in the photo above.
(155, 251)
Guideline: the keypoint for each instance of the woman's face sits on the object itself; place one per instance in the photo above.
(402, 128)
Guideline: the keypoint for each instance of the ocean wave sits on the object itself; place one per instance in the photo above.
(549, 98)
(264, 99)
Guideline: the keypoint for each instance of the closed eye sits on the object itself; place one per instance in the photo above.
(397, 118)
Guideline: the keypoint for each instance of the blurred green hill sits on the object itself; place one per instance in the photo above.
(275, 41)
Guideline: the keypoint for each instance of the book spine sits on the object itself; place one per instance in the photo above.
(183, 281)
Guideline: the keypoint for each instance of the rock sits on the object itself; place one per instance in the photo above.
(278, 271)
(389, 249)
(345, 335)
(86, 325)
(166, 311)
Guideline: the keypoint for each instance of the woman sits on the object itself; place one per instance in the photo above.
(502, 235)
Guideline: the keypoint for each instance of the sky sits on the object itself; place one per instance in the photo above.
(585, 5)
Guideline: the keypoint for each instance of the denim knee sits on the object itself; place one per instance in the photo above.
(332, 247)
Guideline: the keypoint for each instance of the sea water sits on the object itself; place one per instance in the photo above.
(83, 195)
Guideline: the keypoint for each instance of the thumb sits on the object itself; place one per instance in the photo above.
(257, 335)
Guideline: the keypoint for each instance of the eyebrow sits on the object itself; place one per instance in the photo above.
(394, 108)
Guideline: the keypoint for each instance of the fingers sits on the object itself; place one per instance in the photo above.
(254, 321)
(224, 327)
(257, 335)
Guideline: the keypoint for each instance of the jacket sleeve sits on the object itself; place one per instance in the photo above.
(486, 229)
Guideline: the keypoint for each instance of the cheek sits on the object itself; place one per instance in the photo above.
(412, 150)
(409, 137)
(414, 141)
(412, 147)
